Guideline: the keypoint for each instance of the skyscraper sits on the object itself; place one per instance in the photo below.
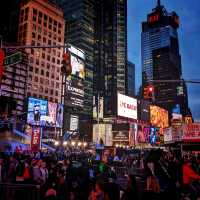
(160, 57)
(130, 85)
(42, 23)
(110, 52)
(80, 16)
(99, 28)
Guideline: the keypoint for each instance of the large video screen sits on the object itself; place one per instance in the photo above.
(159, 117)
(127, 106)
(78, 68)
(37, 109)
(44, 113)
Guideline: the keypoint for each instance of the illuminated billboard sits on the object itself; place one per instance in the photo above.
(127, 106)
(159, 117)
(44, 113)
(78, 68)
(74, 95)
(37, 110)
(59, 115)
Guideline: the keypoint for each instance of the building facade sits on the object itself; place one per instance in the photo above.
(14, 85)
(130, 86)
(161, 59)
(42, 23)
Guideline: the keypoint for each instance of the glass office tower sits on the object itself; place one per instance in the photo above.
(161, 59)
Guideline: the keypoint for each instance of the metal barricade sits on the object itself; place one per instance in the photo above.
(10, 191)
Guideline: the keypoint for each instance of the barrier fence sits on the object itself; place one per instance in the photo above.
(10, 191)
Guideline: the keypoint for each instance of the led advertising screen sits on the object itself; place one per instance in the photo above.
(127, 106)
(74, 95)
(78, 68)
(37, 110)
(59, 115)
(44, 113)
(159, 117)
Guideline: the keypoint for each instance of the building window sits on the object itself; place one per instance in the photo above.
(41, 89)
(36, 79)
(41, 80)
(36, 70)
(56, 93)
(42, 72)
(51, 92)
(46, 90)
(48, 66)
(57, 85)
(47, 74)
(48, 57)
(30, 68)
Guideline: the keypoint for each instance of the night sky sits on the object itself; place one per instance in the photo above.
(189, 41)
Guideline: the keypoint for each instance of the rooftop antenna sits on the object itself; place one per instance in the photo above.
(158, 3)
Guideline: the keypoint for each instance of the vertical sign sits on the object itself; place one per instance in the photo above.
(35, 139)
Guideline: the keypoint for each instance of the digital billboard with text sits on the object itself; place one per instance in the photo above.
(74, 95)
(127, 106)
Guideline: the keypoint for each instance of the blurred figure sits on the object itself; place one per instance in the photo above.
(131, 191)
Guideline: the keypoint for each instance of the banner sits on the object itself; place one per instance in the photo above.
(191, 132)
(35, 139)
(127, 106)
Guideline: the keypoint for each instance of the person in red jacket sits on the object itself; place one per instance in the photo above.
(189, 175)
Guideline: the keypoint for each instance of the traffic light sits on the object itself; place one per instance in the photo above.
(148, 92)
(2, 56)
(66, 64)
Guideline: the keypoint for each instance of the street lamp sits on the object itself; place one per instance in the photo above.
(65, 143)
(73, 143)
(85, 144)
(56, 143)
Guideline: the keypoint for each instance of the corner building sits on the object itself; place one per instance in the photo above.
(161, 59)
(42, 23)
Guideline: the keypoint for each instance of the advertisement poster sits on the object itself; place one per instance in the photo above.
(191, 132)
(37, 109)
(78, 68)
(74, 123)
(35, 139)
(51, 119)
(59, 115)
(168, 135)
(74, 95)
(127, 106)
(159, 117)
(143, 134)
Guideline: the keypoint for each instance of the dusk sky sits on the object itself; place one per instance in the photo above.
(189, 41)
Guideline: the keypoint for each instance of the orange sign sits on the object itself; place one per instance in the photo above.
(159, 117)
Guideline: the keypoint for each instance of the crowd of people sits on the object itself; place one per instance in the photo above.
(86, 176)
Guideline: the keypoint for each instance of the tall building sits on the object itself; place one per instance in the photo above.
(80, 16)
(110, 52)
(161, 59)
(130, 85)
(9, 20)
(99, 28)
(42, 23)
